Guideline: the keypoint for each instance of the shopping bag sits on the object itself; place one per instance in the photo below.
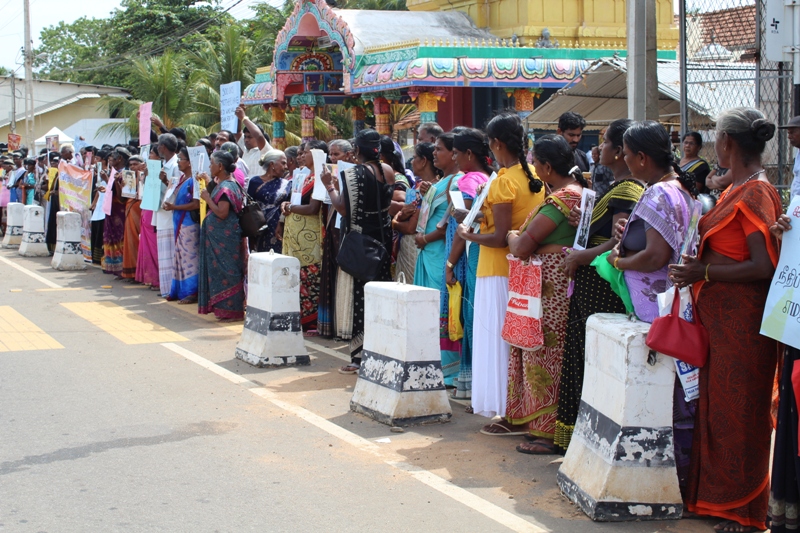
(454, 328)
(522, 326)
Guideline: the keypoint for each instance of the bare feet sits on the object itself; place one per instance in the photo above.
(188, 300)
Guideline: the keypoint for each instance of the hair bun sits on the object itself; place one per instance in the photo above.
(763, 129)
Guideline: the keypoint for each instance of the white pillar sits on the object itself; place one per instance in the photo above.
(400, 381)
(14, 220)
(642, 60)
(68, 254)
(620, 465)
(272, 335)
(33, 243)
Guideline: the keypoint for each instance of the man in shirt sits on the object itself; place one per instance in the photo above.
(253, 142)
(570, 126)
(165, 230)
(428, 132)
(793, 133)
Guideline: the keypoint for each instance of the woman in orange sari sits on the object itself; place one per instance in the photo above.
(729, 471)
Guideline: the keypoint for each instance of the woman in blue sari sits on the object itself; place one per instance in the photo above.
(270, 191)
(221, 279)
(430, 239)
(185, 220)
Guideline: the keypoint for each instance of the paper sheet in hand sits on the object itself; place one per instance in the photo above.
(129, 185)
(230, 95)
(109, 192)
(198, 158)
(319, 192)
(341, 166)
(478, 203)
(458, 200)
(145, 114)
(782, 311)
(298, 179)
(151, 198)
(587, 208)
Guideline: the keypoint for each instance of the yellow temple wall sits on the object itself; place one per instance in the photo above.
(574, 23)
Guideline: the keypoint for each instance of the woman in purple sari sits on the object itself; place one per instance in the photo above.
(185, 220)
(658, 229)
(221, 278)
(270, 190)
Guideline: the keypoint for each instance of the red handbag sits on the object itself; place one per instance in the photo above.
(522, 326)
(679, 338)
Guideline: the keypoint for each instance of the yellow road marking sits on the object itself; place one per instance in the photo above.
(18, 334)
(123, 324)
(192, 310)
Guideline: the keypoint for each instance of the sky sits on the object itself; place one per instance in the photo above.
(46, 13)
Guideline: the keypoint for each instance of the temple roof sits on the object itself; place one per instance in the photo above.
(379, 28)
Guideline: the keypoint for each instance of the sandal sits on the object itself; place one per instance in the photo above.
(349, 369)
(188, 300)
(541, 447)
(310, 333)
(504, 429)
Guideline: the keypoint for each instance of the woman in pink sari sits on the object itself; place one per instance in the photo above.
(147, 262)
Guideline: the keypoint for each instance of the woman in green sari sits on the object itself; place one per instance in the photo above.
(430, 239)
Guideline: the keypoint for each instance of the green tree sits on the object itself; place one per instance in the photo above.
(71, 51)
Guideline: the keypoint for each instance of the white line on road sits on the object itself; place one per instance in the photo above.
(324, 349)
(31, 273)
(463, 496)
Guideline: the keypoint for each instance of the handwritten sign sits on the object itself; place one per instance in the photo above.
(145, 114)
(230, 95)
(782, 311)
(14, 141)
(587, 208)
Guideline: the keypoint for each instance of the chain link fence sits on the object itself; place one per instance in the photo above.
(726, 67)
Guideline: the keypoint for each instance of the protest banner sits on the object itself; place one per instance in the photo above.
(52, 143)
(145, 114)
(782, 311)
(14, 141)
(75, 194)
(230, 95)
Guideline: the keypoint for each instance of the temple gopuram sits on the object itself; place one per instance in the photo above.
(458, 62)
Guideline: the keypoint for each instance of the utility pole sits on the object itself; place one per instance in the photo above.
(13, 102)
(29, 105)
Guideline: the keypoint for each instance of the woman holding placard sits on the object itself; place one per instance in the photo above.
(302, 238)
(147, 262)
(512, 195)
(534, 375)
(114, 226)
(222, 252)
(471, 155)
(592, 294)
(133, 217)
(186, 220)
(270, 190)
(729, 470)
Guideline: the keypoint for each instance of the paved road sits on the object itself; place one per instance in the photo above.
(121, 412)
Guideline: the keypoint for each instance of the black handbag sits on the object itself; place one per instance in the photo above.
(252, 218)
(360, 255)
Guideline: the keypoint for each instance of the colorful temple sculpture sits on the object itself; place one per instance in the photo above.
(436, 57)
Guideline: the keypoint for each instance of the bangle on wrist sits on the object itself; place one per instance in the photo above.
(708, 265)
(424, 238)
(331, 189)
(615, 263)
(449, 264)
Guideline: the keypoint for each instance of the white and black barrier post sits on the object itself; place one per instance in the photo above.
(68, 254)
(400, 381)
(620, 464)
(14, 221)
(33, 241)
(272, 335)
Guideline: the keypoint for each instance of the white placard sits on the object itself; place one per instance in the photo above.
(781, 319)
(320, 192)
(478, 203)
(587, 208)
(458, 200)
(341, 166)
(230, 96)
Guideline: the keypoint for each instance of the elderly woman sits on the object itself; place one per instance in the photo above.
(515, 192)
(729, 473)
(302, 238)
(270, 190)
(186, 223)
(221, 277)
(338, 150)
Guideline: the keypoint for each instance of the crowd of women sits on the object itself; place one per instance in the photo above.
(643, 240)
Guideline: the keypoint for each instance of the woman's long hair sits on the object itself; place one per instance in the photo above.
(507, 128)
(650, 138)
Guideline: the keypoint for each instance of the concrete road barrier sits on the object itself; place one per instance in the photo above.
(400, 381)
(272, 335)
(14, 220)
(68, 254)
(620, 465)
(33, 240)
